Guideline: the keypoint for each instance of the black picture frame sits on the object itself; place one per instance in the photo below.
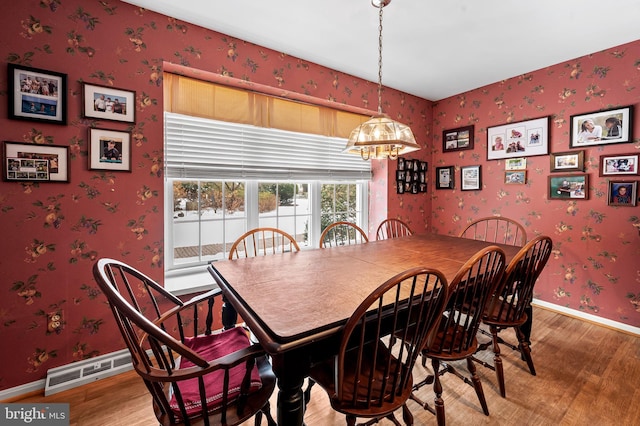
(118, 104)
(621, 120)
(103, 140)
(459, 139)
(411, 176)
(519, 139)
(29, 162)
(36, 94)
(445, 178)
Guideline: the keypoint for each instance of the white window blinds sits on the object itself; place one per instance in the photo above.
(204, 148)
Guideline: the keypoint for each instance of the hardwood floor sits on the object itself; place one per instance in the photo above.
(586, 374)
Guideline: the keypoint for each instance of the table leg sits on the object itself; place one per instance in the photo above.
(290, 375)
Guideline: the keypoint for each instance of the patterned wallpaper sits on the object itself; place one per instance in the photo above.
(53, 232)
(594, 266)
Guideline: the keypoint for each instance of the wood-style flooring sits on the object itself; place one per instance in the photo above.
(586, 375)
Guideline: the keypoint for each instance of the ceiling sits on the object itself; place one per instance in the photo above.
(431, 48)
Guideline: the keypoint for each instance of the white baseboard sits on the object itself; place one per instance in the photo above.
(588, 317)
(74, 374)
(14, 393)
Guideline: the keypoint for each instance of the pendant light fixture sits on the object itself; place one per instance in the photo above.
(381, 137)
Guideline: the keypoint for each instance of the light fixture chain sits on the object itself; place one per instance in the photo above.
(380, 58)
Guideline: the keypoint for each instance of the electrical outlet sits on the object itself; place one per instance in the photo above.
(55, 322)
(96, 365)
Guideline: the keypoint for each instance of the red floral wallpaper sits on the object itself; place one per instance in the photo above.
(594, 266)
(53, 232)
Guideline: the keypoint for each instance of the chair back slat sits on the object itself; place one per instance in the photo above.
(187, 374)
(515, 292)
(342, 233)
(496, 229)
(470, 290)
(262, 242)
(392, 228)
(376, 354)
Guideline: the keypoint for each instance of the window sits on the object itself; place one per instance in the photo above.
(225, 178)
(204, 213)
(286, 206)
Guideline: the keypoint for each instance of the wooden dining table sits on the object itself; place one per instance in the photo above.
(296, 303)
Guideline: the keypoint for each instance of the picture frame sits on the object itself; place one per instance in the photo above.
(108, 103)
(28, 162)
(569, 187)
(445, 178)
(619, 164)
(602, 127)
(109, 150)
(37, 95)
(519, 139)
(567, 161)
(411, 176)
(459, 139)
(471, 178)
(515, 163)
(623, 193)
(515, 177)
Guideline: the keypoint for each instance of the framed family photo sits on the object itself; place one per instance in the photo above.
(619, 164)
(470, 178)
(623, 193)
(37, 95)
(444, 178)
(602, 127)
(108, 103)
(573, 186)
(515, 177)
(109, 150)
(567, 161)
(521, 139)
(26, 162)
(459, 139)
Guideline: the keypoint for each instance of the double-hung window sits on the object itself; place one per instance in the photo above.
(225, 178)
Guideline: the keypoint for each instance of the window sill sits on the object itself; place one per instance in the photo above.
(188, 281)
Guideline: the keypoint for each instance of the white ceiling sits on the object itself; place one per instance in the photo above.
(431, 48)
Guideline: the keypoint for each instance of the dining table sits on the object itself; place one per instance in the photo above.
(295, 304)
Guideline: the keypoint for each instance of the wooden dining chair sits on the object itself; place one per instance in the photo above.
(261, 242)
(501, 230)
(496, 229)
(455, 339)
(392, 228)
(195, 375)
(342, 233)
(371, 375)
(508, 306)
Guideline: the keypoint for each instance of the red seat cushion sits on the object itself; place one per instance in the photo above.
(212, 347)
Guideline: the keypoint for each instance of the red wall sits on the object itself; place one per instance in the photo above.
(52, 232)
(47, 268)
(594, 266)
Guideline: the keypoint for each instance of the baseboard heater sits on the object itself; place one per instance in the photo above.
(89, 370)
